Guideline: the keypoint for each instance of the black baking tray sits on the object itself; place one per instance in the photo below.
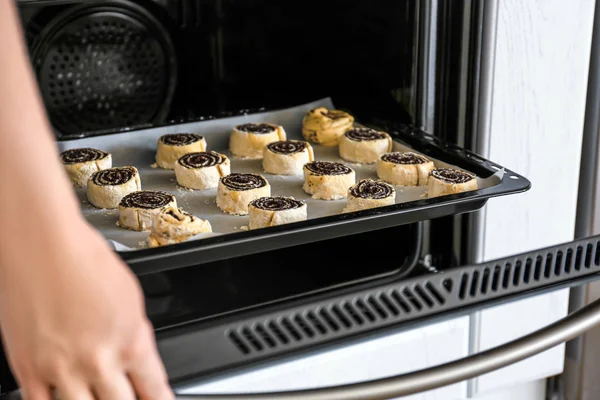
(146, 261)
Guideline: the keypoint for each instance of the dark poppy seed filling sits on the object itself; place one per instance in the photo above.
(327, 168)
(237, 181)
(404, 158)
(256, 128)
(334, 114)
(113, 176)
(147, 199)
(87, 154)
(362, 134)
(180, 139)
(276, 203)
(370, 189)
(451, 175)
(201, 159)
(287, 147)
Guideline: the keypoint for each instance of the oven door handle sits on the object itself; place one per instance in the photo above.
(472, 366)
(469, 367)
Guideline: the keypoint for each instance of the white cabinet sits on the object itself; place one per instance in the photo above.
(369, 359)
(540, 83)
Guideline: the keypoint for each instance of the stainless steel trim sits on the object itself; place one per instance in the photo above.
(482, 129)
(402, 385)
(428, 11)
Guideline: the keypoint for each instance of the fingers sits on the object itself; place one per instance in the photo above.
(147, 373)
(72, 390)
(116, 386)
(35, 390)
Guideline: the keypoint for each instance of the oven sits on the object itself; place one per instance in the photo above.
(119, 74)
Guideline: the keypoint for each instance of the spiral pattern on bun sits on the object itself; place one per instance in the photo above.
(82, 155)
(327, 168)
(370, 189)
(276, 203)
(404, 158)
(201, 159)
(114, 176)
(256, 128)
(239, 182)
(451, 175)
(147, 199)
(180, 139)
(360, 134)
(106, 188)
(368, 193)
(287, 146)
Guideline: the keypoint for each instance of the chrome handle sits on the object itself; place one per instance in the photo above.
(431, 378)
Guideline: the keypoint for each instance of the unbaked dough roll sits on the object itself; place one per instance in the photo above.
(107, 188)
(236, 190)
(323, 126)
(80, 164)
(443, 181)
(277, 210)
(137, 210)
(172, 146)
(364, 145)
(173, 225)
(249, 140)
(406, 169)
(327, 180)
(368, 193)
(287, 157)
(202, 170)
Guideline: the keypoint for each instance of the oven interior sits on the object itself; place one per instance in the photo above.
(223, 287)
(114, 64)
(107, 65)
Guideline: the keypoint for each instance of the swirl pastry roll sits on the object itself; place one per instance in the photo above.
(171, 147)
(368, 193)
(271, 211)
(80, 164)
(287, 157)
(364, 145)
(137, 210)
(327, 180)
(249, 140)
(326, 127)
(406, 169)
(173, 225)
(107, 188)
(236, 190)
(202, 170)
(444, 181)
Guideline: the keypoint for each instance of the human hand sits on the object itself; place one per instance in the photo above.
(73, 321)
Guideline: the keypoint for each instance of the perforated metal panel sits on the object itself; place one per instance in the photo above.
(104, 67)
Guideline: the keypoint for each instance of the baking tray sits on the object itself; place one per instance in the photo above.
(230, 239)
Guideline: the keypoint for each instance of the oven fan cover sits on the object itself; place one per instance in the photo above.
(104, 65)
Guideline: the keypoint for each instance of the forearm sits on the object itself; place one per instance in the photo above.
(35, 194)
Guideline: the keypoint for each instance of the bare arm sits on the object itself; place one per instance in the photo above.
(71, 313)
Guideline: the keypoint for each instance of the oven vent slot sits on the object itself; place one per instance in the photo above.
(536, 268)
(349, 315)
(341, 317)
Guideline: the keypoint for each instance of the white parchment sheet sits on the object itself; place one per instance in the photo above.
(138, 148)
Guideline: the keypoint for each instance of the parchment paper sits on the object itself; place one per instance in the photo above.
(138, 148)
